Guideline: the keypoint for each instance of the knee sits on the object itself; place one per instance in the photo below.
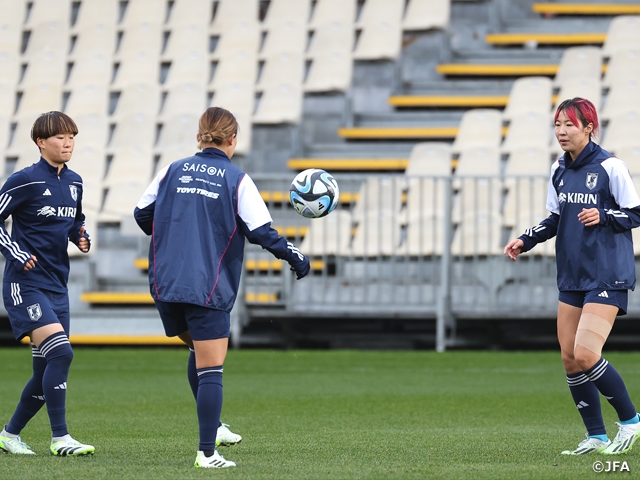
(63, 354)
(585, 358)
(569, 361)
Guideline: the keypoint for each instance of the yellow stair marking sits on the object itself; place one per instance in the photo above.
(449, 100)
(348, 163)
(545, 38)
(386, 132)
(586, 8)
(497, 70)
(279, 197)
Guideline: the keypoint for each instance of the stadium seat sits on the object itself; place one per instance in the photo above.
(330, 235)
(478, 234)
(622, 67)
(139, 50)
(227, 12)
(475, 192)
(286, 10)
(527, 180)
(179, 129)
(529, 94)
(51, 14)
(238, 98)
(427, 14)
(623, 35)
(529, 161)
(87, 99)
(631, 157)
(46, 56)
(187, 98)
(429, 158)
(281, 87)
(589, 88)
(377, 234)
(138, 99)
(424, 235)
(622, 131)
(426, 199)
(134, 130)
(379, 194)
(331, 59)
(381, 31)
(190, 13)
(579, 62)
(479, 160)
(479, 128)
(10, 38)
(528, 130)
(238, 66)
(622, 98)
(186, 50)
(329, 11)
(38, 98)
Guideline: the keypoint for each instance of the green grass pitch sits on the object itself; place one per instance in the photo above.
(319, 415)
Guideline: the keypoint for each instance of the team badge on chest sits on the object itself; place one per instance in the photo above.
(592, 180)
(74, 192)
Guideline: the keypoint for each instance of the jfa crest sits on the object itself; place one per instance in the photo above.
(35, 312)
(592, 180)
(74, 192)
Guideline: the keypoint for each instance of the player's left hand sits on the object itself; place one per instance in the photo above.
(83, 243)
(589, 217)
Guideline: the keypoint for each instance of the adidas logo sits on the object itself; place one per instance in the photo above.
(47, 192)
(561, 182)
(608, 398)
(582, 404)
(62, 386)
(604, 294)
(38, 397)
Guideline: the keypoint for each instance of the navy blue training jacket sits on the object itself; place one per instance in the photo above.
(46, 209)
(600, 256)
(198, 211)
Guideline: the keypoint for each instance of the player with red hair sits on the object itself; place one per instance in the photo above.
(594, 206)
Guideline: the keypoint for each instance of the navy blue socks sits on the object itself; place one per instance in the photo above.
(32, 398)
(612, 387)
(209, 405)
(587, 399)
(58, 355)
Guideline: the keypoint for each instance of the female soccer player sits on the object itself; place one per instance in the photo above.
(45, 202)
(198, 211)
(594, 206)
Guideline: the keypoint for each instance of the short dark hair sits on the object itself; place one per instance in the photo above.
(52, 123)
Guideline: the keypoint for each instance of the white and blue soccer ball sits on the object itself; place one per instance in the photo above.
(314, 193)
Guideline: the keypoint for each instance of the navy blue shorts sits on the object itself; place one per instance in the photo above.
(202, 323)
(618, 298)
(30, 308)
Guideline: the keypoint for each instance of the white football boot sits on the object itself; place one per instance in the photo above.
(588, 445)
(626, 437)
(226, 437)
(214, 461)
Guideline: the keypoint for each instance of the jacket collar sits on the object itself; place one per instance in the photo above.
(215, 153)
(590, 151)
(43, 164)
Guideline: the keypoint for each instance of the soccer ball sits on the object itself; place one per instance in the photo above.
(314, 193)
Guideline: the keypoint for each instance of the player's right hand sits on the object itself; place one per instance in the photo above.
(301, 267)
(31, 263)
(513, 249)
